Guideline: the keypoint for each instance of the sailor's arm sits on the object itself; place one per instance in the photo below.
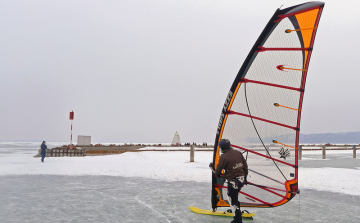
(219, 167)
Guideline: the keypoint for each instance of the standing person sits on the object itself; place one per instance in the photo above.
(236, 171)
(43, 151)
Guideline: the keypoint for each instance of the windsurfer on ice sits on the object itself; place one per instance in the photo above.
(43, 151)
(236, 171)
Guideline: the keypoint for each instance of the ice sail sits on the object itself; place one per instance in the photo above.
(261, 113)
(176, 139)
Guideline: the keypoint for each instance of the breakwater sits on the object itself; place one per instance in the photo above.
(99, 150)
(59, 152)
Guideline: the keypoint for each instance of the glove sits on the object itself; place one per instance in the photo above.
(245, 180)
(211, 165)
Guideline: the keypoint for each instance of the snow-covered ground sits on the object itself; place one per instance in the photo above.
(327, 178)
(136, 181)
(174, 166)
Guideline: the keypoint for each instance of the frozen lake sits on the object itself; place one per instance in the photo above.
(147, 187)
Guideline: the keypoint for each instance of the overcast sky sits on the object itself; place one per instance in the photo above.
(137, 71)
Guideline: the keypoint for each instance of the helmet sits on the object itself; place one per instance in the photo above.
(224, 144)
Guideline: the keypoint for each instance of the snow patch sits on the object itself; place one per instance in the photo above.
(338, 180)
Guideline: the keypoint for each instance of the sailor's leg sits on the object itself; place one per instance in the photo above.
(233, 193)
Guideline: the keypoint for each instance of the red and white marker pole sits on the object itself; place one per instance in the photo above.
(71, 118)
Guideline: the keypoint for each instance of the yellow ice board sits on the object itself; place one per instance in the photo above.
(219, 213)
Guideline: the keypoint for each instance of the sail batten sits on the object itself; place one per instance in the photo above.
(268, 157)
(265, 187)
(273, 75)
(261, 119)
(244, 80)
(270, 191)
(262, 49)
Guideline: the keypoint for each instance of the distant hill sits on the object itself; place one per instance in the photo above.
(336, 138)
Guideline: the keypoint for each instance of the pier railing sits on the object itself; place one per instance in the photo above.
(59, 152)
(324, 147)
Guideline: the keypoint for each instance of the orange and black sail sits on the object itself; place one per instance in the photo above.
(261, 114)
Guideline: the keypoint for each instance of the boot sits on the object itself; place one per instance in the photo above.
(237, 217)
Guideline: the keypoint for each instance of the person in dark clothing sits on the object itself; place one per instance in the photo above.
(236, 171)
(43, 151)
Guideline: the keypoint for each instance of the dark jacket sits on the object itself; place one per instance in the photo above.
(234, 164)
(43, 148)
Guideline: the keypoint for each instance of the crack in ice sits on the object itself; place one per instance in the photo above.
(152, 209)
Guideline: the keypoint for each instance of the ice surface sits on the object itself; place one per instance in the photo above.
(155, 186)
